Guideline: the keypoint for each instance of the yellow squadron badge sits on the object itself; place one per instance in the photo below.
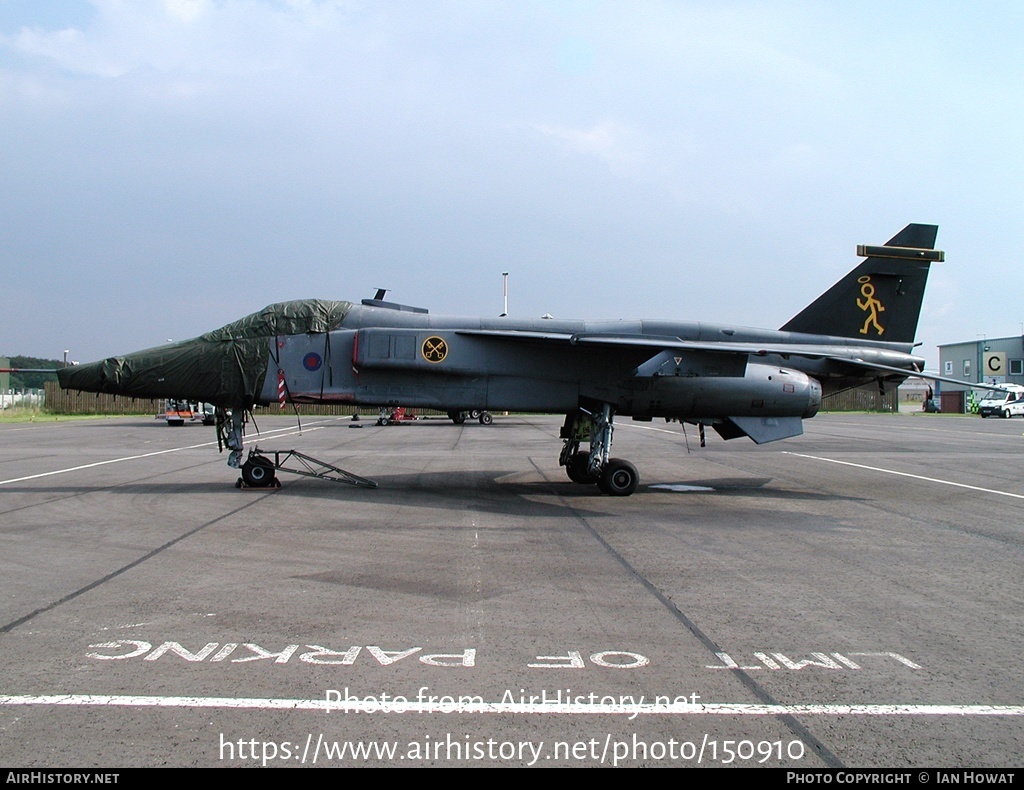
(870, 305)
(434, 349)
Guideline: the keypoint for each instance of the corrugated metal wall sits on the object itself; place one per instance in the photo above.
(866, 398)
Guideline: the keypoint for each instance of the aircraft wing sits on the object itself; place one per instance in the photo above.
(664, 342)
(809, 351)
(519, 334)
(858, 356)
(867, 358)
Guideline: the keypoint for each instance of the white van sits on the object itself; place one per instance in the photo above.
(1003, 403)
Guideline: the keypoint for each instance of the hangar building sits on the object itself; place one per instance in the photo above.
(987, 360)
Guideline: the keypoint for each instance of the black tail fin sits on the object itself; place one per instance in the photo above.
(881, 298)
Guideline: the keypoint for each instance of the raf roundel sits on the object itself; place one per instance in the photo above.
(434, 349)
(312, 362)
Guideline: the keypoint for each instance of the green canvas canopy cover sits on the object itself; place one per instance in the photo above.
(225, 367)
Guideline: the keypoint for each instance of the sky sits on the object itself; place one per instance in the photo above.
(168, 166)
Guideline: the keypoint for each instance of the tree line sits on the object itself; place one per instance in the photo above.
(20, 381)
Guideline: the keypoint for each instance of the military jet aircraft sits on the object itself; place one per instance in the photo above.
(758, 383)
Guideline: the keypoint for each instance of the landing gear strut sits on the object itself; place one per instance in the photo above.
(231, 437)
(614, 476)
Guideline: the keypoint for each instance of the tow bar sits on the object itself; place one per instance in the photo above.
(258, 469)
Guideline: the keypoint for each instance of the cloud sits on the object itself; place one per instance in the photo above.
(246, 139)
(185, 10)
(225, 39)
(609, 141)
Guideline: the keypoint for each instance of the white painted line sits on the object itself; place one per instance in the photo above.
(904, 427)
(907, 474)
(680, 487)
(647, 428)
(102, 463)
(457, 706)
(143, 455)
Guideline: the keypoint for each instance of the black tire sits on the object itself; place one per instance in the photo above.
(485, 418)
(619, 478)
(475, 414)
(577, 469)
(1006, 414)
(258, 473)
(458, 417)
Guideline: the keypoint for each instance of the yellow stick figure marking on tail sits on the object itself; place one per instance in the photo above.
(870, 305)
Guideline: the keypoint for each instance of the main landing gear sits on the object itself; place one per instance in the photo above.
(614, 476)
(459, 417)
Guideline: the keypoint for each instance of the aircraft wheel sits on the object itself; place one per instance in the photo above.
(475, 414)
(485, 418)
(619, 478)
(577, 469)
(458, 417)
(258, 473)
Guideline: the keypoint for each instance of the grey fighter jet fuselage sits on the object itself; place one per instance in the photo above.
(743, 382)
